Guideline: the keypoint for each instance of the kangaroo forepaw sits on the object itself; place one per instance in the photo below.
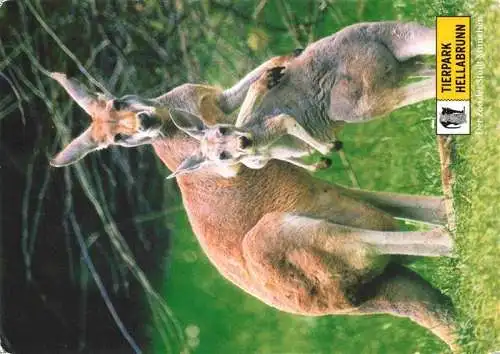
(323, 163)
(338, 145)
(328, 148)
(274, 76)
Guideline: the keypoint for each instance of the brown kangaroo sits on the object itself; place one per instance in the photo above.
(297, 243)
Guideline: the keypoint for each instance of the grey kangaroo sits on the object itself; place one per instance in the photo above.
(297, 243)
(354, 75)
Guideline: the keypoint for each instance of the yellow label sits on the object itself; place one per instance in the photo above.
(453, 58)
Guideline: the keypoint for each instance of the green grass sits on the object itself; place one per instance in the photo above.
(477, 291)
(394, 154)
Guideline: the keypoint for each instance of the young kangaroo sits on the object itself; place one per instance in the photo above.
(354, 75)
(297, 243)
(254, 143)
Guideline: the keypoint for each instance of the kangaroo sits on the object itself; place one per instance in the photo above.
(299, 244)
(451, 118)
(354, 75)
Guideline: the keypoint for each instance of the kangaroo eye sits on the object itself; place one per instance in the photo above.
(119, 137)
(223, 130)
(224, 155)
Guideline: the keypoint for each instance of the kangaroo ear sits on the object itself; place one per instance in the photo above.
(188, 123)
(191, 164)
(78, 92)
(77, 149)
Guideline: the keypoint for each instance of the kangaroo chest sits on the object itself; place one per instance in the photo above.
(220, 222)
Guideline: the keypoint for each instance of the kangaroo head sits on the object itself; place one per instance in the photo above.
(221, 145)
(127, 121)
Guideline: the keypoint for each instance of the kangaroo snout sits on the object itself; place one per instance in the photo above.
(148, 121)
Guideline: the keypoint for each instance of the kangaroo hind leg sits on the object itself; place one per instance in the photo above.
(402, 292)
(304, 265)
(426, 209)
(298, 265)
(405, 40)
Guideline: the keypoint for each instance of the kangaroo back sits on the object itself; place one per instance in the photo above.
(354, 75)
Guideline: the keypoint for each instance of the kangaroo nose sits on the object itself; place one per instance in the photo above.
(245, 142)
(148, 121)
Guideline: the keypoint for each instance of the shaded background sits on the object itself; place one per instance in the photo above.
(116, 204)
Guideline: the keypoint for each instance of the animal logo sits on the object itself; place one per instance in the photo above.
(451, 118)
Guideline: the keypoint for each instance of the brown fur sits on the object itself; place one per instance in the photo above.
(320, 269)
